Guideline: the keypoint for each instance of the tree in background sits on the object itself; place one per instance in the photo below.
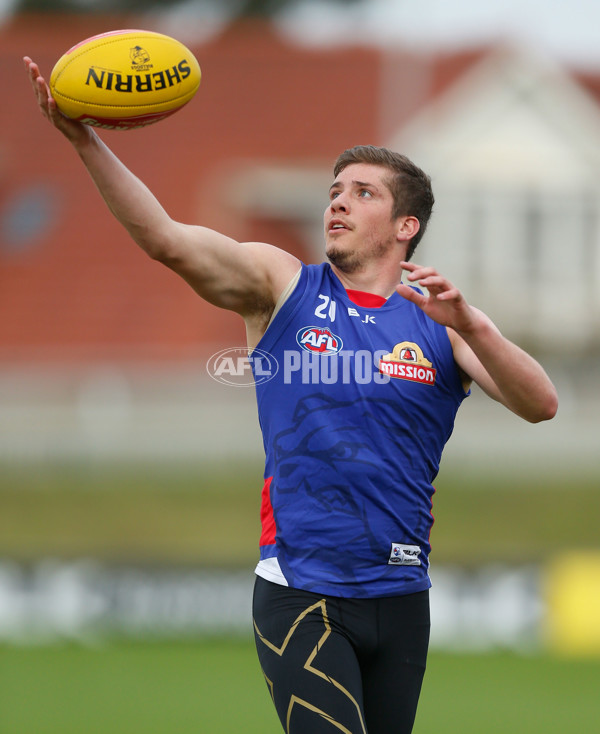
(233, 8)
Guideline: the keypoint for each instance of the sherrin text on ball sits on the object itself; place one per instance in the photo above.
(124, 79)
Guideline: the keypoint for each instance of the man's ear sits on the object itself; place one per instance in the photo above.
(407, 228)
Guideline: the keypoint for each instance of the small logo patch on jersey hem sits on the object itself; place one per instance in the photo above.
(404, 555)
(406, 362)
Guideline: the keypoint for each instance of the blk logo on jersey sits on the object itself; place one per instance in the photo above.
(406, 362)
(319, 340)
(404, 555)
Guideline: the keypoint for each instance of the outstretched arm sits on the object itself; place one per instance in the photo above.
(243, 277)
(502, 369)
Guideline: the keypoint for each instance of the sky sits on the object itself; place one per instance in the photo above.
(565, 29)
(568, 30)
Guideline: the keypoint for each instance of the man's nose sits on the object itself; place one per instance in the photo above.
(339, 203)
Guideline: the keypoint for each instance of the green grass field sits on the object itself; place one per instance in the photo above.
(215, 687)
(189, 515)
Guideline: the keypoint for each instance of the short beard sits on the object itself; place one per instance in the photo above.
(352, 261)
(346, 262)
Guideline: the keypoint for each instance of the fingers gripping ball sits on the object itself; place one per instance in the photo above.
(124, 79)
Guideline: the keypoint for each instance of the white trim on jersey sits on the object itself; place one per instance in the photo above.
(270, 570)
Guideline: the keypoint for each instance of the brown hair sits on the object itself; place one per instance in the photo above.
(409, 185)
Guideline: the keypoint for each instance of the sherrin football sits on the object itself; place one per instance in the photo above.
(124, 79)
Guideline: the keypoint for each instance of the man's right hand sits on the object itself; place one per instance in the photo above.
(75, 131)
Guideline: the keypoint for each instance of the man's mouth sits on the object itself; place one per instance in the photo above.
(335, 225)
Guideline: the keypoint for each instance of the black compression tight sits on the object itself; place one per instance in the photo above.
(341, 665)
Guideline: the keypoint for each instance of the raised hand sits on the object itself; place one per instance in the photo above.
(444, 304)
(72, 129)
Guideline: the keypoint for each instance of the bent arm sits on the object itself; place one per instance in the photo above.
(502, 369)
(246, 278)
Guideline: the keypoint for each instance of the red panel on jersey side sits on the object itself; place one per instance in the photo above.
(266, 515)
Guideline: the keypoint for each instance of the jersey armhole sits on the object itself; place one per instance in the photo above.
(287, 292)
(461, 374)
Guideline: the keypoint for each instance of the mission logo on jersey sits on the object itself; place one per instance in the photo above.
(406, 362)
(319, 340)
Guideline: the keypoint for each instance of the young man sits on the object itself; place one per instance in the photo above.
(371, 374)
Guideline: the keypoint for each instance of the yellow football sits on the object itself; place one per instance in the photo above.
(124, 79)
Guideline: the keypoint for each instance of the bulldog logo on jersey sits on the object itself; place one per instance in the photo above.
(406, 362)
(319, 340)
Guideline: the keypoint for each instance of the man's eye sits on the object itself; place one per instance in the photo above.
(365, 193)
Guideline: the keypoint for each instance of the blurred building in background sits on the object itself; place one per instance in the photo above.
(103, 351)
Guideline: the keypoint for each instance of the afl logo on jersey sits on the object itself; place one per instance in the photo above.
(319, 340)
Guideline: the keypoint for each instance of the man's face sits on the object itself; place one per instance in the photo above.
(358, 221)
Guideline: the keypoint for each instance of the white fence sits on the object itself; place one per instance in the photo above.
(151, 415)
(88, 602)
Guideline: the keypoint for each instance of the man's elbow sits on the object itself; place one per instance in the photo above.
(546, 409)
(163, 250)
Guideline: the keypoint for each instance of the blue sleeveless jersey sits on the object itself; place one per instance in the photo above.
(355, 409)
